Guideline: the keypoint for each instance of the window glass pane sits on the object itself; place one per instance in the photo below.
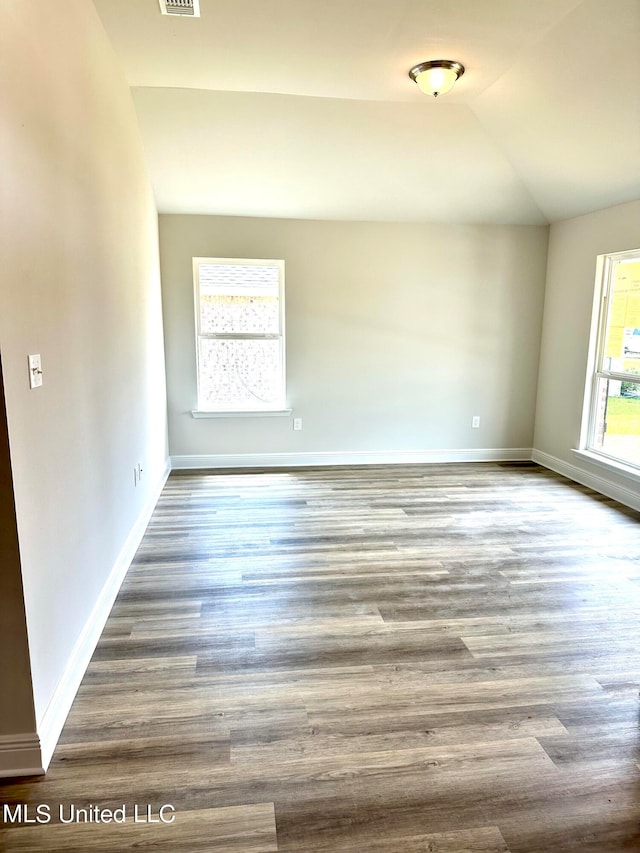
(237, 373)
(617, 420)
(622, 344)
(239, 298)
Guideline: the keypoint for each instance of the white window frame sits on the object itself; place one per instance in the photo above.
(605, 275)
(278, 406)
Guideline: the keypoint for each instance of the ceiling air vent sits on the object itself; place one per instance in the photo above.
(186, 8)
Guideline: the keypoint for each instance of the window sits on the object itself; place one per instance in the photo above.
(240, 334)
(613, 392)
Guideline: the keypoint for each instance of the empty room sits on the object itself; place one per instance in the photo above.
(320, 426)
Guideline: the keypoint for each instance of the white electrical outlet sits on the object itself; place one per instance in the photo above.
(35, 371)
(297, 423)
(475, 423)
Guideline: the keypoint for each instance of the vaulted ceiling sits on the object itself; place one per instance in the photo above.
(303, 108)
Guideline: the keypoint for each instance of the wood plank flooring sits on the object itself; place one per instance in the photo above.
(375, 660)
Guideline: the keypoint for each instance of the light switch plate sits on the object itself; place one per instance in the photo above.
(35, 371)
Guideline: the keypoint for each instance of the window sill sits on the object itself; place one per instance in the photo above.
(630, 471)
(242, 413)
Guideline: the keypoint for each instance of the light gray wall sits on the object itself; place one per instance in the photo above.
(80, 286)
(397, 334)
(574, 245)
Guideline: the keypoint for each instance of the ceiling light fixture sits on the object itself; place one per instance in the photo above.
(437, 76)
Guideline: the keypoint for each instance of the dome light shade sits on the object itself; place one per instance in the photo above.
(437, 76)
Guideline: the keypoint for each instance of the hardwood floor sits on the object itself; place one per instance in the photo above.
(423, 658)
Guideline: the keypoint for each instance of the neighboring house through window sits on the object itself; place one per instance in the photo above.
(611, 427)
(239, 306)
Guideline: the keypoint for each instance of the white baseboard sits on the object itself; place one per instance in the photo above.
(56, 713)
(356, 457)
(628, 497)
(20, 755)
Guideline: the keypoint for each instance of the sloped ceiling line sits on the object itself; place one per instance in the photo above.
(291, 108)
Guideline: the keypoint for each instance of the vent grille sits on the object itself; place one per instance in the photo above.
(185, 8)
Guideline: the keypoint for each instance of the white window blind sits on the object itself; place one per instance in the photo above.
(240, 334)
